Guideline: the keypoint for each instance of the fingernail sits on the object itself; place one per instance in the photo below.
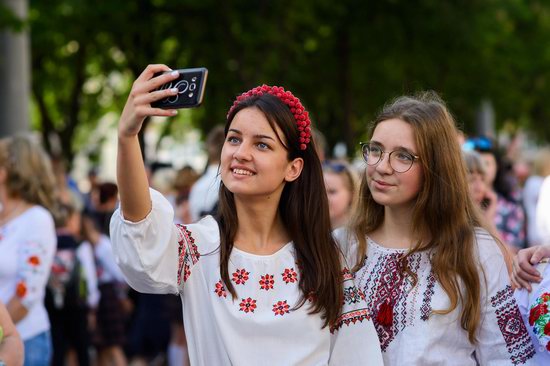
(174, 90)
(174, 112)
(174, 73)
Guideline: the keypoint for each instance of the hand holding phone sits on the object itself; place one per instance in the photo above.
(190, 85)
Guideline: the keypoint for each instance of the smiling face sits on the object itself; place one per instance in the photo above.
(254, 162)
(389, 188)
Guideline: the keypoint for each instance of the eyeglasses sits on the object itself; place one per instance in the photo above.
(400, 160)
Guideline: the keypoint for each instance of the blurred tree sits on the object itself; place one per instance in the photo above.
(344, 59)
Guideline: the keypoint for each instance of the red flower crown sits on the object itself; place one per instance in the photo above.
(296, 108)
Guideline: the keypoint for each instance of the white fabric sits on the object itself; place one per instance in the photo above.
(543, 212)
(531, 192)
(526, 302)
(416, 336)
(85, 254)
(30, 235)
(220, 330)
(108, 270)
(204, 193)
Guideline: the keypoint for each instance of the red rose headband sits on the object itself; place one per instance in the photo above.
(296, 108)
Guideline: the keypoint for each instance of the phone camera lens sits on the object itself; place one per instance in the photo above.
(192, 87)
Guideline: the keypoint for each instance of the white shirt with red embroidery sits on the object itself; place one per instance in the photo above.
(27, 248)
(260, 326)
(411, 334)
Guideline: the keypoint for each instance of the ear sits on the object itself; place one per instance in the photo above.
(294, 169)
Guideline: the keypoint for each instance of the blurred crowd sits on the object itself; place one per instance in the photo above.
(96, 318)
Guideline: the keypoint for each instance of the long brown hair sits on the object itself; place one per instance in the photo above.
(444, 215)
(304, 211)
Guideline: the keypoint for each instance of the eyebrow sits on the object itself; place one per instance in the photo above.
(258, 136)
(398, 147)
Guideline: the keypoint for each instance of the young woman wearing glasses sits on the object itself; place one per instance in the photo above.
(435, 279)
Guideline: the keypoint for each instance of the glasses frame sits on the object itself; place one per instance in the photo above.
(367, 144)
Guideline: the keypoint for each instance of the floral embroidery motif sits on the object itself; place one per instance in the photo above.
(289, 275)
(267, 282)
(350, 317)
(539, 319)
(240, 276)
(353, 295)
(188, 253)
(281, 308)
(512, 327)
(346, 274)
(34, 260)
(220, 289)
(247, 305)
(21, 289)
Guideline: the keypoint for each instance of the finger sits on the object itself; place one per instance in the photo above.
(150, 70)
(161, 112)
(528, 268)
(153, 96)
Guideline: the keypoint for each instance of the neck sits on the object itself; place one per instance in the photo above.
(261, 230)
(337, 222)
(11, 208)
(396, 231)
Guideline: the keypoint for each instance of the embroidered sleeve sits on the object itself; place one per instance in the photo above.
(353, 335)
(188, 254)
(503, 338)
(539, 320)
(147, 251)
(33, 262)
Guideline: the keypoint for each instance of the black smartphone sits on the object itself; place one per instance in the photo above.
(190, 84)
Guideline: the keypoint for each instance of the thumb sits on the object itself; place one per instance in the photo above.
(536, 258)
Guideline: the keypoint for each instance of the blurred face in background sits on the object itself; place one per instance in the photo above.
(477, 186)
(490, 164)
(339, 197)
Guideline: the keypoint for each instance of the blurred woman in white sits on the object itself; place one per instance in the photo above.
(27, 241)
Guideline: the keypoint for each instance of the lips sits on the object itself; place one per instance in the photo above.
(382, 183)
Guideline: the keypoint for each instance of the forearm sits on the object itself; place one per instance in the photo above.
(11, 350)
(16, 310)
(132, 179)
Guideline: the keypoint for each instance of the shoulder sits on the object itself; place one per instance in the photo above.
(486, 245)
(205, 234)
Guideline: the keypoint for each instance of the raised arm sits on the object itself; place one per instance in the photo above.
(131, 176)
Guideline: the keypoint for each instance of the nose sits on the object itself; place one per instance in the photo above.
(243, 152)
(383, 165)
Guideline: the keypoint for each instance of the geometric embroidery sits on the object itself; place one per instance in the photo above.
(426, 308)
(350, 317)
(518, 341)
(188, 253)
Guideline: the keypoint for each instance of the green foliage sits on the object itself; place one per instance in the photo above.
(344, 59)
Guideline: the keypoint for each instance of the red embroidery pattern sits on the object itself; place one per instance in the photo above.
(188, 254)
(352, 295)
(346, 274)
(281, 308)
(512, 327)
(34, 260)
(350, 317)
(289, 275)
(267, 282)
(21, 289)
(247, 305)
(220, 289)
(240, 276)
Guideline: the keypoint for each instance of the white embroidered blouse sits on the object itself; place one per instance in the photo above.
(259, 327)
(411, 334)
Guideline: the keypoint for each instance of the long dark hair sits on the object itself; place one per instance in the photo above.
(304, 211)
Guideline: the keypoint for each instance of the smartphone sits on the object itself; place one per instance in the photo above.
(190, 84)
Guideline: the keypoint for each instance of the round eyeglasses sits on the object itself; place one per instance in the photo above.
(400, 160)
